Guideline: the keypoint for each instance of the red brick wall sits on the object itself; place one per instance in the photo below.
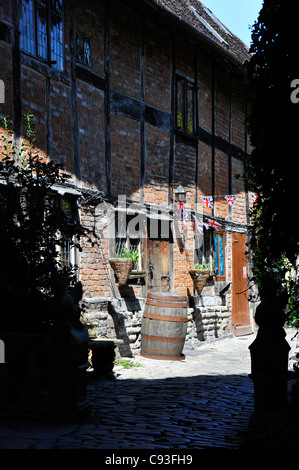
(205, 96)
(90, 105)
(90, 21)
(222, 103)
(204, 171)
(61, 118)
(239, 207)
(125, 157)
(184, 55)
(125, 50)
(94, 266)
(221, 184)
(238, 113)
(156, 166)
(141, 52)
(5, 11)
(157, 67)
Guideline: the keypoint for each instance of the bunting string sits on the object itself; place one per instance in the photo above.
(200, 224)
(208, 202)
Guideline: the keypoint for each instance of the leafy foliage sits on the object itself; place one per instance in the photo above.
(203, 266)
(30, 225)
(128, 253)
(272, 171)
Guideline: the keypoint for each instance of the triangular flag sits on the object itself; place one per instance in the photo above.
(185, 220)
(208, 201)
(214, 224)
(203, 223)
(198, 225)
(230, 199)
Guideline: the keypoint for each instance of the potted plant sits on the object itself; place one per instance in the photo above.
(200, 274)
(135, 272)
(123, 264)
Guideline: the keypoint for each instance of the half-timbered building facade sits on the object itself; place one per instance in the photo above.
(137, 99)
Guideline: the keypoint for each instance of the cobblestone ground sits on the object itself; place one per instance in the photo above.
(202, 402)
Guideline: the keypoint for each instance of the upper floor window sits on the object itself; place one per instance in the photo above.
(83, 50)
(185, 105)
(42, 30)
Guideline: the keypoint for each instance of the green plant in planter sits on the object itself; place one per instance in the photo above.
(204, 266)
(200, 278)
(127, 253)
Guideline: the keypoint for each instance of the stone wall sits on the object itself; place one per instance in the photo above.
(120, 318)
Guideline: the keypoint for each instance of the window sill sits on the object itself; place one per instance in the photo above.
(137, 277)
(43, 67)
(186, 136)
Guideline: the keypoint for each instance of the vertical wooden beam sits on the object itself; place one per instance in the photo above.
(213, 128)
(16, 74)
(230, 133)
(48, 119)
(229, 157)
(172, 120)
(75, 124)
(171, 152)
(196, 120)
(142, 98)
(107, 52)
(246, 150)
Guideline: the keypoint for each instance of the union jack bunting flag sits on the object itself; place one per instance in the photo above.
(214, 224)
(185, 220)
(255, 197)
(230, 199)
(198, 224)
(203, 223)
(208, 201)
(177, 214)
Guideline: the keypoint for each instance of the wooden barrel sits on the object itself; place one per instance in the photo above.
(164, 326)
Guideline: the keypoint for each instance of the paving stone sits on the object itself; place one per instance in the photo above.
(202, 402)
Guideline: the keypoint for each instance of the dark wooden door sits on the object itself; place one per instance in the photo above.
(241, 322)
(158, 276)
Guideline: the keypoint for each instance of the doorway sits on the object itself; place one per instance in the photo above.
(158, 258)
(240, 318)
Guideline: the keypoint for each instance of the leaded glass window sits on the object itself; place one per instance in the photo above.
(42, 30)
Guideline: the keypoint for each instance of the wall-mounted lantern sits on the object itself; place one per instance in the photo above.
(180, 194)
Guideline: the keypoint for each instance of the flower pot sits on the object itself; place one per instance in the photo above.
(122, 268)
(200, 277)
